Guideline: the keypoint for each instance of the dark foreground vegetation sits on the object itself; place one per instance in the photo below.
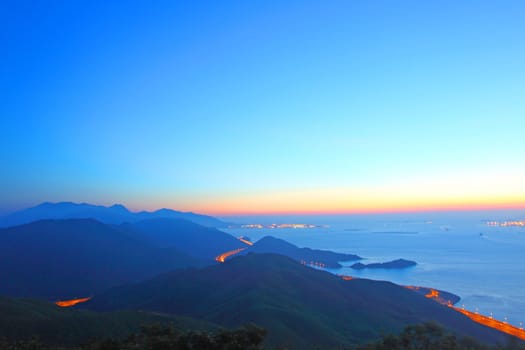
(427, 336)
(159, 337)
(431, 336)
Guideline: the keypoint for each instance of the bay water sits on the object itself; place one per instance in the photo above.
(456, 252)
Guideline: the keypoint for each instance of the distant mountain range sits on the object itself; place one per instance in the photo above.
(301, 307)
(115, 214)
(69, 258)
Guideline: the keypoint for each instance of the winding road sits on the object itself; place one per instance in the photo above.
(72, 302)
(433, 294)
(492, 323)
(222, 258)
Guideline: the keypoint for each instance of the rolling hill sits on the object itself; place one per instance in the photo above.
(301, 307)
(307, 256)
(196, 240)
(78, 257)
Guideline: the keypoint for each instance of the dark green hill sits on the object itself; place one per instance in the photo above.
(23, 318)
(301, 307)
(186, 236)
(324, 258)
(77, 258)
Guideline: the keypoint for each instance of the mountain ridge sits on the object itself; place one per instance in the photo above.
(186, 236)
(308, 307)
(307, 256)
(114, 214)
(70, 258)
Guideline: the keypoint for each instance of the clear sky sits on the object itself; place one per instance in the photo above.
(232, 107)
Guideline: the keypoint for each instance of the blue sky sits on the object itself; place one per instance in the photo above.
(249, 107)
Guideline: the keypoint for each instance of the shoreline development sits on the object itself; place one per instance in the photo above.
(429, 293)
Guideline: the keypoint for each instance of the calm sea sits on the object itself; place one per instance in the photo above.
(456, 252)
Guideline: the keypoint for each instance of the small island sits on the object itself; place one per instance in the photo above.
(394, 264)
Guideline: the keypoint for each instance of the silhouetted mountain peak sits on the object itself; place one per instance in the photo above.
(166, 211)
(115, 214)
(270, 240)
(120, 208)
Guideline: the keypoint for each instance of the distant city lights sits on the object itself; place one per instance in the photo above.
(277, 226)
(512, 223)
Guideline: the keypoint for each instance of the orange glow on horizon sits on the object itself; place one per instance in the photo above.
(419, 196)
(453, 193)
(72, 302)
(451, 189)
(323, 205)
(394, 208)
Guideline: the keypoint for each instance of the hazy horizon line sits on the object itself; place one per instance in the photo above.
(379, 211)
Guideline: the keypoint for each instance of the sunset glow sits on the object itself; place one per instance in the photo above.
(279, 129)
(323, 203)
(304, 168)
